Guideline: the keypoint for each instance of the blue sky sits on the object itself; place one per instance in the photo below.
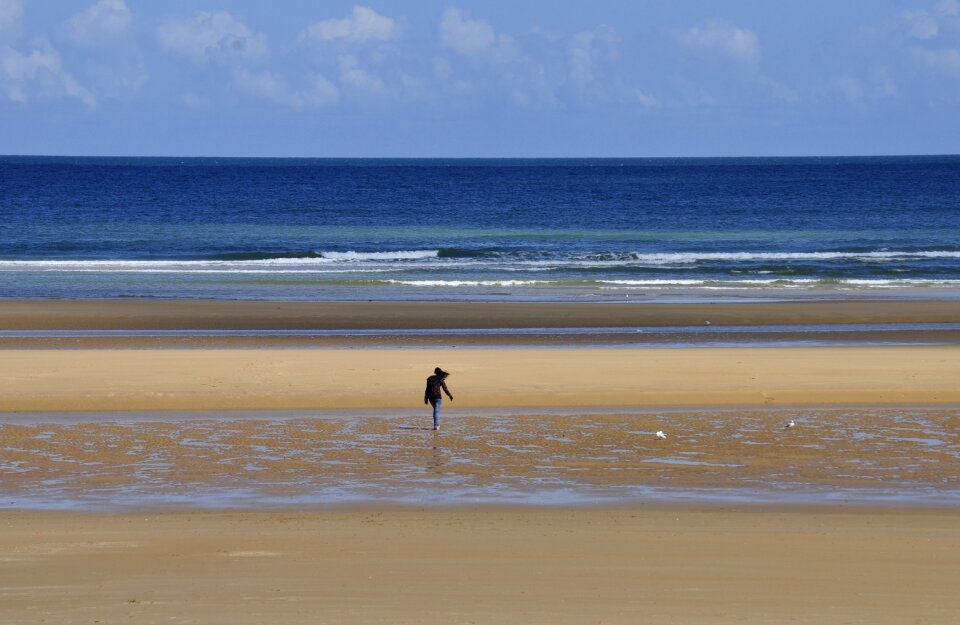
(492, 78)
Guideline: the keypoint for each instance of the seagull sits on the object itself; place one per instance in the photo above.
(706, 323)
(789, 425)
(661, 436)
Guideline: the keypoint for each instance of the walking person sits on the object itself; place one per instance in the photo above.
(436, 386)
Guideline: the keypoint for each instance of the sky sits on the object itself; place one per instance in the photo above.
(498, 78)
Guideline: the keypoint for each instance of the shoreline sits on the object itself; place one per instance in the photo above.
(173, 314)
(663, 337)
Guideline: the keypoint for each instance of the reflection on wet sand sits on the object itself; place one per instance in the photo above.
(883, 455)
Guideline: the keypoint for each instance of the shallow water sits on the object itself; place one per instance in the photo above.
(890, 456)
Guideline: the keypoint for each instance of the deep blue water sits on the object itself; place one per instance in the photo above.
(598, 228)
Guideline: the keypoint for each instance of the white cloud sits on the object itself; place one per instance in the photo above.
(11, 12)
(465, 35)
(946, 60)
(211, 33)
(355, 76)
(581, 57)
(196, 101)
(691, 94)
(38, 73)
(273, 88)
(268, 86)
(934, 31)
(877, 85)
(322, 92)
(587, 53)
(361, 26)
(541, 71)
(948, 8)
(593, 74)
(933, 23)
(850, 88)
(106, 18)
(882, 82)
(921, 25)
(739, 43)
(779, 91)
(644, 100)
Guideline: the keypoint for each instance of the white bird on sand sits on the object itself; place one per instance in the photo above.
(789, 425)
(661, 436)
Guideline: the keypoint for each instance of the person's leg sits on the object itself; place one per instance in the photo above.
(436, 412)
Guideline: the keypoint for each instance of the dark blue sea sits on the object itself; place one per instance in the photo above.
(595, 229)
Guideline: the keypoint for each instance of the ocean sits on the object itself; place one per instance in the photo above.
(500, 229)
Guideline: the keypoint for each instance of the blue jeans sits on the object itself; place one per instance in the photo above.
(436, 410)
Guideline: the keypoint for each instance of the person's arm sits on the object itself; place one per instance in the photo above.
(426, 393)
(445, 390)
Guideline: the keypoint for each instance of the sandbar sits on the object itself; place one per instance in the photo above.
(276, 379)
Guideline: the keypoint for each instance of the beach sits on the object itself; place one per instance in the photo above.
(640, 565)
(268, 379)
(188, 461)
(44, 372)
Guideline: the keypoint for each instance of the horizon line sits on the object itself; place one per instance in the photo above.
(501, 158)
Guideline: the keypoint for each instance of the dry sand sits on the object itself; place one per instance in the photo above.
(253, 373)
(656, 566)
(265, 379)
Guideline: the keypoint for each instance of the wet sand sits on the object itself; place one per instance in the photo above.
(896, 456)
(264, 315)
(712, 336)
(631, 566)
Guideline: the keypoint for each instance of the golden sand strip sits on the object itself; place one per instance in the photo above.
(265, 379)
(213, 314)
(636, 566)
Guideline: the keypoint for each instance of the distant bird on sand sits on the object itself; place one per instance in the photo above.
(791, 424)
(661, 436)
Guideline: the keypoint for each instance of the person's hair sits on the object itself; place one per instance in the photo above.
(440, 372)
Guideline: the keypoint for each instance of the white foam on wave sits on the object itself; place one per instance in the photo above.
(215, 266)
(152, 265)
(677, 282)
(397, 255)
(385, 259)
(670, 258)
(781, 283)
(467, 282)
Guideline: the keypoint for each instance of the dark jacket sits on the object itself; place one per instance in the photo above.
(435, 385)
